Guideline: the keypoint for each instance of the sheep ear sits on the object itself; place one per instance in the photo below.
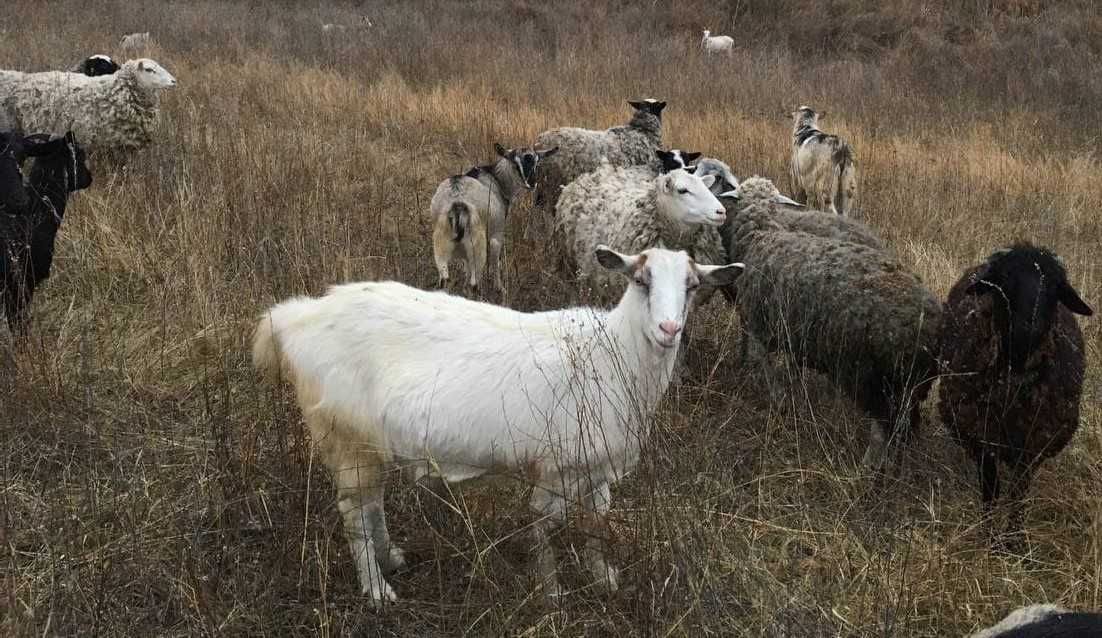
(548, 153)
(781, 199)
(636, 105)
(614, 261)
(141, 65)
(708, 180)
(501, 150)
(662, 154)
(1073, 302)
(664, 183)
(717, 276)
(690, 157)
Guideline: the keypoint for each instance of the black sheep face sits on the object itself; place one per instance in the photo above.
(57, 154)
(675, 158)
(99, 65)
(649, 105)
(1026, 284)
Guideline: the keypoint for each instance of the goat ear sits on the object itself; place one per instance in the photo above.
(548, 153)
(614, 261)
(708, 180)
(1073, 302)
(718, 276)
(690, 157)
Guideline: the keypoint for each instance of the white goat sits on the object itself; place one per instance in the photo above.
(383, 375)
(716, 43)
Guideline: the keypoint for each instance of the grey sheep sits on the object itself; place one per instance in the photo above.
(114, 112)
(1015, 359)
(581, 150)
(852, 312)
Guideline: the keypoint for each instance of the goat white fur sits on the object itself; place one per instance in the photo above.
(383, 375)
(716, 43)
(632, 209)
(107, 112)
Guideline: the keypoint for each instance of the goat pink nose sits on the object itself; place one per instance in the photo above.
(670, 327)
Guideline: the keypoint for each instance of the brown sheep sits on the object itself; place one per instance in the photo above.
(1014, 358)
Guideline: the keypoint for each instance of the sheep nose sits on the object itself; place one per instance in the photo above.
(670, 328)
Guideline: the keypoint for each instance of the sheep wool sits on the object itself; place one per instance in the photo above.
(619, 207)
(582, 150)
(107, 113)
(849, 311)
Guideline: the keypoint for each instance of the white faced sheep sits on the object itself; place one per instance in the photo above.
(384, 372)
(824, 170)
(710, 44)
(469, 211)
(94, 65)
(114, 112)
(582, 150)
(27, 237)
(849, 311)
(1015, 359)
(632, 209)
(1045, 621)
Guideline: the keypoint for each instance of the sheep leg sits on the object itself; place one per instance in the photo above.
(551, 509)
(596, 525)
(360, 500)
(988, 467)
(497, 252)
(1021, 477)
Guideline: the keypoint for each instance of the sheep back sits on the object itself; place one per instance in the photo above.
(847, 310)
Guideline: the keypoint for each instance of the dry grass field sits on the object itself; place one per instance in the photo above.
(152, 484)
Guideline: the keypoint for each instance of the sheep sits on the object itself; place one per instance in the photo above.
(1014, 360)
(110, 113)
(710, 44)
(725, 180)
(847, 310)
(823, 167)
(135, 42)
(27, 238)
(632, 209)
(675, 158)
(1045, 621)
(95, 65)
(469, 211)
(383, 373)
(581, 150)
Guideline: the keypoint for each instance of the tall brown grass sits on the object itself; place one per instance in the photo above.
(150, 484)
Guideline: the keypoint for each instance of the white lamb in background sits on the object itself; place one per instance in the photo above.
(561, 399)
(716, 43)
(115, 112)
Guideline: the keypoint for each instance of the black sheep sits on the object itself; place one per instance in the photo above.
(27, 238)
(1014, 358)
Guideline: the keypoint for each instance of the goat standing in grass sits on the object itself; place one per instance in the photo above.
(469, 212)
(824, 170)
(561, 400)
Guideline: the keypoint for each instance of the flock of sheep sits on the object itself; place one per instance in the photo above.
(383, 371)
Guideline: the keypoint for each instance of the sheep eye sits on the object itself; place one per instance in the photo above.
(683, 191)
